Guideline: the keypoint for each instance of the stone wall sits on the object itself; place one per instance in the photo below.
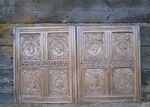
(71, 12)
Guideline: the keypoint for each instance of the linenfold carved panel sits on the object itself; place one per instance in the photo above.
(108, 63)
(43, 64)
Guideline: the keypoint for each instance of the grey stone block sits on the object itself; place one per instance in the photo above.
(130, 16)
(87, 16)
(6, 63)
(145, 34)
(35, 11)
(6, 81)
(6, 98)
(145, 57)
(6, 34)
(6, 72)
(145, 82)
(6, 60)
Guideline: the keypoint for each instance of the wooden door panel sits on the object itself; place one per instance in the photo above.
(123, 81)
(108, 63)
(60, 80)
(30, 78)
(58, 46)
(30, 46)
(92, 69)
(122, 49)
(30, 82)
(94, 45)
(45, 64)
(123, 71)
(95, 83)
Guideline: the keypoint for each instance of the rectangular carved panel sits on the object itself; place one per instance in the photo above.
(95, 82)
(31, 84)
(122, 49)
(108, 63)
(123, 81)
(30, 46)
(59, 83)
(58, 46)
(94, 46)
(45, 64)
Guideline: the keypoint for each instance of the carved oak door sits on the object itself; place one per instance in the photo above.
(45, 64)
(108, 63)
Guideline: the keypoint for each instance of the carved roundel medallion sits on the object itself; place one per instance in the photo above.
(58, 48)
(31, 83)
(122, 48)
(123, 81)
(30, 49)
(94, 82)
(60, 86)
(59, 82)
(94, 48)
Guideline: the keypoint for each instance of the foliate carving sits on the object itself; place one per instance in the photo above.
(128, 62)
(45, 64)
(122, 45)
(108, 63)
(59, 82)
(58, 46)
(123, 81)
(30, 81)
(30, 47)
(94, 45)
(95, 83)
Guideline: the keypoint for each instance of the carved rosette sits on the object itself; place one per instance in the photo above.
(31, 83)
(30, 47)
(122, 46)
(123, 81)
(95, 83)
(93, 46)
(58, 47)
(59, 82)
